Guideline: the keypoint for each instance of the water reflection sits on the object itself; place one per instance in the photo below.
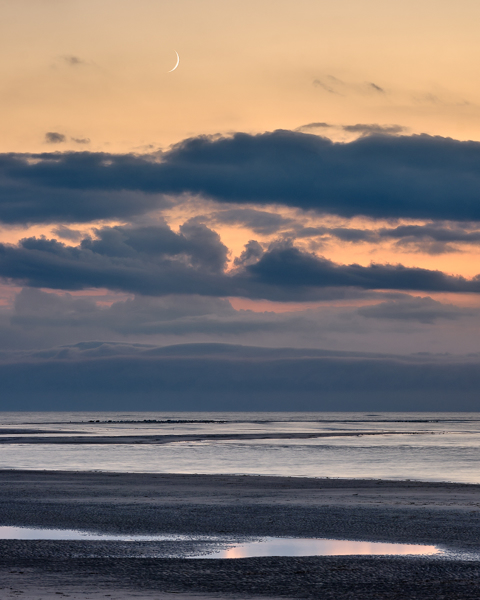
(320, 547)
(33, 533)
(227, 547)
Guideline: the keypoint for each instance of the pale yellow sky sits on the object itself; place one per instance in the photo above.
(98, 69)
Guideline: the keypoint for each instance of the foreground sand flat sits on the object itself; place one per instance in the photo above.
(160, 490)
(445, 514)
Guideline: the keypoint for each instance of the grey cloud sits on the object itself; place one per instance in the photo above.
(41, 319)
(374, 128)
(98, 375)
(259, 221)
(376, 88)
(53, 137)
(27, 200)
(66, 233)
(195, 245)
(149, 260)
(349, 234)
(74, 61)
(34, 307)
(28, 204)
(381, 176)
(361, 128)
(423, 310)
(432, 238)
(432, 232)
(81, 140)
(332, 85)
(399, 324)
(176, 315)
(157, 261)
(253, 251)
(430, 98)
(291, 268)
(316, 125)
(328, 88)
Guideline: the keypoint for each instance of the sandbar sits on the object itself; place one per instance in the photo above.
(26, 438)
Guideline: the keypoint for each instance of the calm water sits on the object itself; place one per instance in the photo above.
(225, 547)
(425, 446)
(319, 547)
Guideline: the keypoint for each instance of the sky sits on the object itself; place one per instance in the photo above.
(290, 219)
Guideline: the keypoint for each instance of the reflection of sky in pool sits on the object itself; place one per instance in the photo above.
(319, 547)
(33, 533)
(223, 547)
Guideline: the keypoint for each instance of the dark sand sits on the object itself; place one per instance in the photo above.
(410, 512)
(27, 437)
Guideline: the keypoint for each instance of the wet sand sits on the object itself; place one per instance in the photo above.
(26, 437)
(386, 511)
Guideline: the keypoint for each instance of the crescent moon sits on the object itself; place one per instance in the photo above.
(178, 62)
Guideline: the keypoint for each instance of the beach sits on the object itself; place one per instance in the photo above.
(410, 512)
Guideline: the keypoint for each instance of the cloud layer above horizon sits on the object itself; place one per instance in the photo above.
(376, 176)
(226, 377)
(281, 239)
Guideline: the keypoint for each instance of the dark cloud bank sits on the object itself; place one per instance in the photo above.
(102, 376)
(378, 176)
(157, 261)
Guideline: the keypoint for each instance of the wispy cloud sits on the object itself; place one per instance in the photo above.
(333, 85)
(376, 88)
(74, 61)
(314, 125)
(328, 88)
(53, 137)
(360, 128)
(374, 128)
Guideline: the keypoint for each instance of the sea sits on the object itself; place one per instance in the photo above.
(415, 446)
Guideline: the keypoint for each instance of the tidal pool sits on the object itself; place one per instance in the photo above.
(272, 546)
(228, 547)
(38, 533)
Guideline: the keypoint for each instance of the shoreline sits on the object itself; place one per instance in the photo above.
(445, 514)
(88, 438)
(348, 480)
